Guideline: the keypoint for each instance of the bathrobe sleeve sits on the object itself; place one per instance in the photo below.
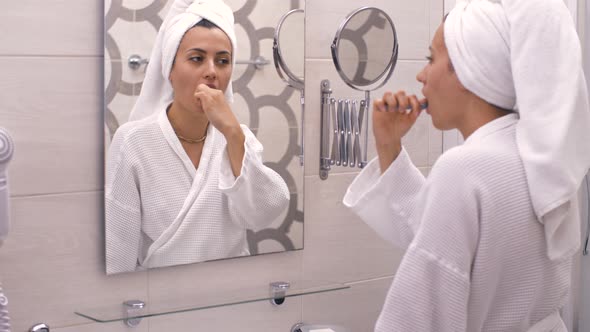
(387, 202)
(259, 194)
(430, 291)
(122, 210)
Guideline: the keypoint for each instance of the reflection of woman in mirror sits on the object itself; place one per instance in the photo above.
(492, 233)
(184, 179)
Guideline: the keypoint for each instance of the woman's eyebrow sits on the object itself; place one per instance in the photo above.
(200, 50)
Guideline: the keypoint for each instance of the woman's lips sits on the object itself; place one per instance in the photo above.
(212, 86)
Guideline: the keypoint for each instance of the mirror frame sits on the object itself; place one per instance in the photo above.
(392, 61)
(291, 79)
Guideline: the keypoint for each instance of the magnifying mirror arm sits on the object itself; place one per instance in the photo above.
(288, 76)
(301, 128)
(350, 137)
(364, 118)
(277, 61)
(326, 91)
(340, 120)
(280, 65)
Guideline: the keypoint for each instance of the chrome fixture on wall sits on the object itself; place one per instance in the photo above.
(6, 153)
(4, 318)
(135, 62)
(278, 291)
(302, 327)
(290, 25)
(133, 311)
(39, 328)
(364, 52)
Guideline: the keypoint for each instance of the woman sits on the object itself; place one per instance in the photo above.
(185, 180)
(490, 235)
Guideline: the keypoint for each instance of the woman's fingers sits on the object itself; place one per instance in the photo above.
(415, 105)
(390, 102)
(400, 103)
(379, 105)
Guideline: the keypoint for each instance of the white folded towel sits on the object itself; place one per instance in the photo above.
(526, 55)
(156, 92)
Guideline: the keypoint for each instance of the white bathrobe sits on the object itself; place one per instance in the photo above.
(161, 211)
(476, 256)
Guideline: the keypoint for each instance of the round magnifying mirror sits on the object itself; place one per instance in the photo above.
(365, 48)
(288, 48)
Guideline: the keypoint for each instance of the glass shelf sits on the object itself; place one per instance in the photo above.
(116, 311)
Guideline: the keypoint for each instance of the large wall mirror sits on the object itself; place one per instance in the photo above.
(161, 209)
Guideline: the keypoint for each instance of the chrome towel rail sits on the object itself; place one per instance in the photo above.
(135, 62)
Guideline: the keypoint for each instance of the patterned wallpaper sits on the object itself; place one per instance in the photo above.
(263, 101)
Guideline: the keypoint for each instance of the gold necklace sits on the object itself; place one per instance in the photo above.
(189, 140)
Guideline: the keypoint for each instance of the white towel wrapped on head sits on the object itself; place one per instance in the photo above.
(156, 92)
(526, 55)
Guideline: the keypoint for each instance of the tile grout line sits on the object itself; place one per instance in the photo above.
(53, 56)
(26, 196)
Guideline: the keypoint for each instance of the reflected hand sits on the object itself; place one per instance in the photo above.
(220, 115)
(216, 109)
(391, 122)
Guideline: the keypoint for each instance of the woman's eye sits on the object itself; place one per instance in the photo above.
(196, 58)
(429, 58)
(224, 61)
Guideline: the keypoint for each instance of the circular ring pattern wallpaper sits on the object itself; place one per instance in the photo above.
(269, 107)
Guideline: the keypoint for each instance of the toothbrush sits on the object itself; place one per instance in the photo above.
(408, 109)
(423, 106)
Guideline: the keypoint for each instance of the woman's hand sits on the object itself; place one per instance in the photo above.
(223, 119)
(216, 109)
(391, 121)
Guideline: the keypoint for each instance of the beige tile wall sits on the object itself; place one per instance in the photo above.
(583, 314)
(52, 263)
(338, 246)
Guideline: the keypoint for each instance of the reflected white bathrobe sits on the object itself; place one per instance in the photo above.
(476, 256)
(161, 211)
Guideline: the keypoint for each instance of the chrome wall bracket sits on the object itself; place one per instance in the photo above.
(132, 309)
(135, 61)
(341, 119)
(278, 291)
(326, 93)
(39, 328)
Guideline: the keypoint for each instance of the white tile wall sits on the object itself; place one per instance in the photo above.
(55, 27)
(361, 303)
(52, 263)
(258, 316)
(338, 246)
(110, 327)
(51, 106)
(411, 20)
(583, 313)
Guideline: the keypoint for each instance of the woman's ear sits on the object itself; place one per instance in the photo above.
(171, 76)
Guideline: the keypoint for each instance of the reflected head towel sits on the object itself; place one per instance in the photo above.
(156, 92)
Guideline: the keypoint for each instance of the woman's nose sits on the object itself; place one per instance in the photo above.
(210, 72)
(420, 77)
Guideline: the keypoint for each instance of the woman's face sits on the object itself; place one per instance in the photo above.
(441, 87)
(203, 57)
